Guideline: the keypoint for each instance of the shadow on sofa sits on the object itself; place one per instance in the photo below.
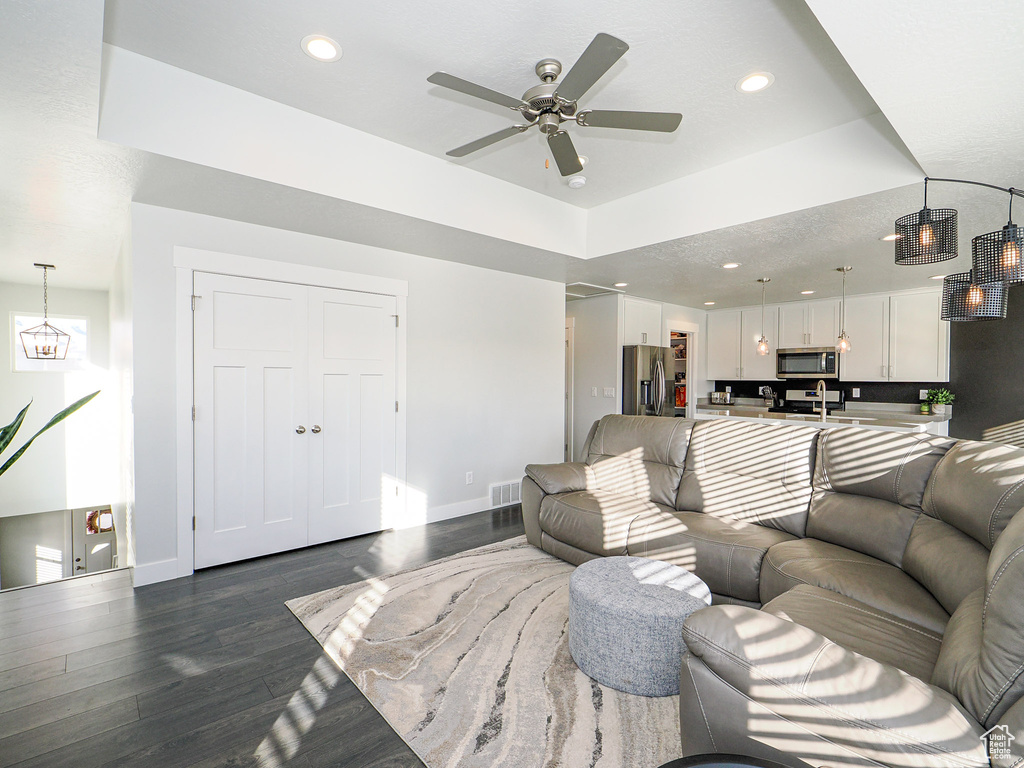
(868, 590)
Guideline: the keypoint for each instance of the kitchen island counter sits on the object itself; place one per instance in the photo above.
(890, 419)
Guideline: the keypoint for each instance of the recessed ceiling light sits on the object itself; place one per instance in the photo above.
(321, 48)
(754, 82)
(890, 238)
(621, 285)
(936, 277)
(730, 265)
(806, 293)
(709, 303)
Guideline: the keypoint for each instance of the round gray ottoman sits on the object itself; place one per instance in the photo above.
(626, 618)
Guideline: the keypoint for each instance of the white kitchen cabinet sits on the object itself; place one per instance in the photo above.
(808, 324)
(753, 365)
(723, 345)
(918, 339)
(642, 322)
(867, 325)
(732, 344)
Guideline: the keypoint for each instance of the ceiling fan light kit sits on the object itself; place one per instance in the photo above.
(552, 103)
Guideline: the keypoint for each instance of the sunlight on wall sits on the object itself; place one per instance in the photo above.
(406, 508)
(91, 439)
(285, 737)
(49, 564)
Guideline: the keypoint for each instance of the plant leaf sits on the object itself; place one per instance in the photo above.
(7, 433)
(51, 423)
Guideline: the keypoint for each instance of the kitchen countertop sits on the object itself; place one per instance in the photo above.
(871, 415)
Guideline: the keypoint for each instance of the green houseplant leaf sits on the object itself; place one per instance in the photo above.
(8, 432)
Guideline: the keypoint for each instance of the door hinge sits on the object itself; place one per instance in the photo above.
(193, 522)
(193, 413)
(396, 406)
(194, 297)
(396, 490)
(396, 320)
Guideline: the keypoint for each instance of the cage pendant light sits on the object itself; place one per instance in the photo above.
(928, 236)
(843, 344)
(965, 299)
(763, 347)
(999, 256)
(45, 342)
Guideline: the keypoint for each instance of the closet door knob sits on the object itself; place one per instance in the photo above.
(300, 430)
(316, 429)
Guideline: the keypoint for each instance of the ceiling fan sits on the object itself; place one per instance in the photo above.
(552, 103)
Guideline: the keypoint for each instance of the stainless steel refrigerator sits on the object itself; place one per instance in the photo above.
(645, 390)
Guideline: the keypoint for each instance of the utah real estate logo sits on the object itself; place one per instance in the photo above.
(999, 740)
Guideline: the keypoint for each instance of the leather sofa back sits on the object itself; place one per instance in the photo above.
(981, 660)
(640, 456)
(756, 473)
(868, 488)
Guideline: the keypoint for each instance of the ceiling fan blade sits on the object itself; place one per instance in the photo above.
(603, 51)
(486, 141)
(566, 157)
(666, 122)
(472, 89)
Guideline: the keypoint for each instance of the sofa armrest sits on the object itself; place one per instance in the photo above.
(560, 478)
(837, 696)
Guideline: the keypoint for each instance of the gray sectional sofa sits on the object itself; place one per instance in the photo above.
(868, 586)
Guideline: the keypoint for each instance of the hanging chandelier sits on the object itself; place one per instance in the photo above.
(763, 347)
(928, 236)
(843, 344)
(996, 256)
(45, 342)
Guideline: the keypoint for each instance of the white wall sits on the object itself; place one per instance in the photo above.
(485, 363)
(73, 464)
(597, 361)
(123, 498)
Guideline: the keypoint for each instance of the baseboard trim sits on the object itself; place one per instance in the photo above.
(457, 509)
(151, 573)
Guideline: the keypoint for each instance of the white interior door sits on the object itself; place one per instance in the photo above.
(352, 445)
(251, 390)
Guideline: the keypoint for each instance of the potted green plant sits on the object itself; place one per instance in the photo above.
(941, 401)
(7, 433)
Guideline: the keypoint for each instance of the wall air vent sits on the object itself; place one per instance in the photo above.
(586, 290)
(504, 494)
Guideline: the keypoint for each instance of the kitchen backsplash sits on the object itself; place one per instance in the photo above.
(870, 391)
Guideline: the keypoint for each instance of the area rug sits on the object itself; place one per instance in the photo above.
(468, 659)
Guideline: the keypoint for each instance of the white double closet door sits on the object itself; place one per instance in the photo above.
(295, 425)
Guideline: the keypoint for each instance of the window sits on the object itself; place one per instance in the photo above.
(78, 350)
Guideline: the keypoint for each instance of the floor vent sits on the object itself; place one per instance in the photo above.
(503, 494)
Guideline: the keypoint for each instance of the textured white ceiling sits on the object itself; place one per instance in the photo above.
(683, 57)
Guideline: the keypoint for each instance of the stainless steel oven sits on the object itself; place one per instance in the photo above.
(807, 363)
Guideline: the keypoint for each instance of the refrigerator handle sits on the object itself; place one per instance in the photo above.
(659, 369)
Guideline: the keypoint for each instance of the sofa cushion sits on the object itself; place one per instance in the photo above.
(752, 473)
(641, 456)
(853, 574)
(982, 656)
(869, 486)
(860, 628)
(726, 554)
(976, 488)
(596, 521)
(932, 547)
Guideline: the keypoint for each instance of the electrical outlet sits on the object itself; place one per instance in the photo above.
(856, 391)
(728, 389)
(469, 478)
(922, 394)
(609, 391)
(593, 391)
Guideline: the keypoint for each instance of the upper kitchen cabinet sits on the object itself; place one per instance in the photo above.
(753, 365)
(896, 338)
(918, 338)
(732, 344)
(642, 322)
(808, 324)
(867, 325)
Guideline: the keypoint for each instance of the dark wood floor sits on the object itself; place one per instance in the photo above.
(209, 670)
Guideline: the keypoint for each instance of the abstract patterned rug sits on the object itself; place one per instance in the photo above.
(468, 659)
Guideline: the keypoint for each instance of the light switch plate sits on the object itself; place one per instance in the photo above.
(922, 394)
(856, 391)
(728, 389)
(609, 391)
(593, 391)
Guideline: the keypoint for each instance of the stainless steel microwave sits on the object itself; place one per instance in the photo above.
(807, 363)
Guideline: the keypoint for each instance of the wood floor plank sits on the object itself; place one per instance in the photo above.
(211, 663)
